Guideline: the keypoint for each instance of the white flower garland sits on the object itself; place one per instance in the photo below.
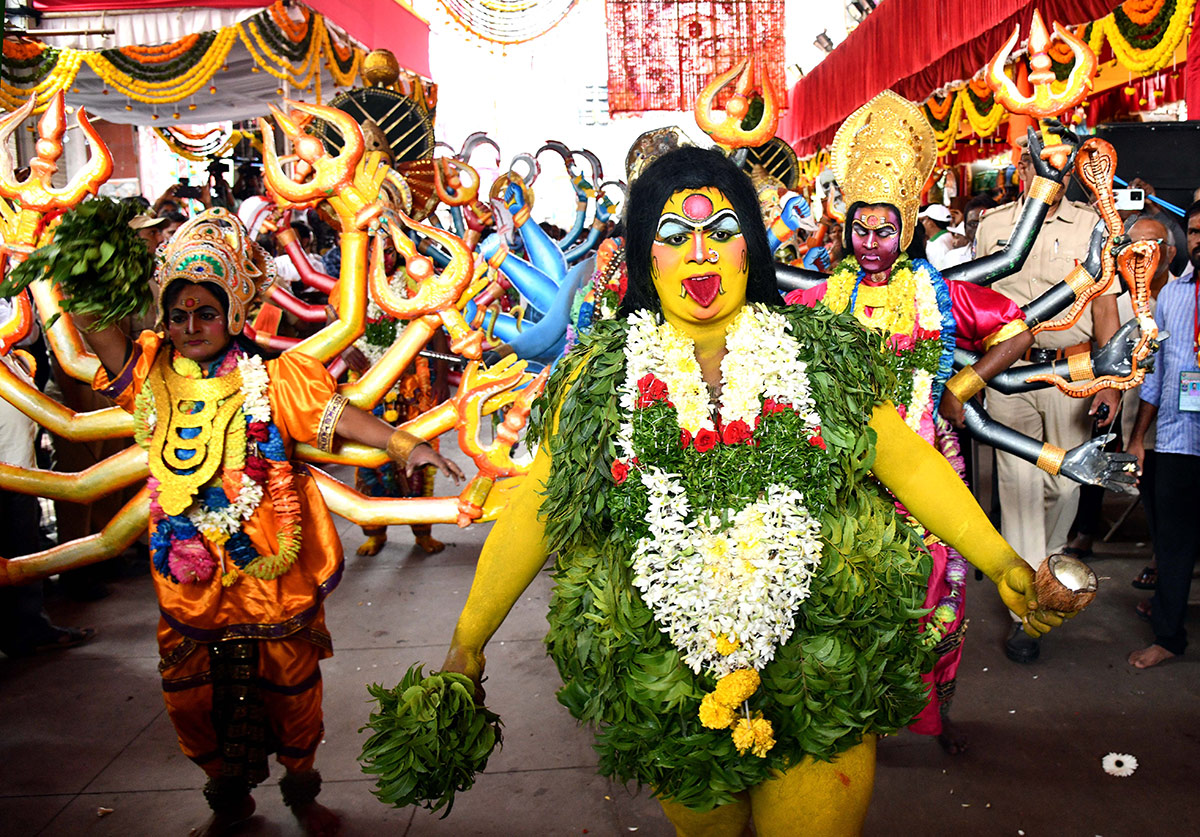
(219, 524)
(760, 362)
(920, 402)
(255, 381)
(929, 316)
(741, 581)
(731, 575)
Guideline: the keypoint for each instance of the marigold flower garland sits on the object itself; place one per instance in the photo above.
(165, 73)
(723, 584)
(919, 326)
(255, 465)
(1140, 44)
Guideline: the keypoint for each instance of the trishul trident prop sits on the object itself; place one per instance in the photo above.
(727, 130)
(34, 200)
(1050, 97)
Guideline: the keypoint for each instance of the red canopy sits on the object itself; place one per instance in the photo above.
(383, 23)
(913, 47)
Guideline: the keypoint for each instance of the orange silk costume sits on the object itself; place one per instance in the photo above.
(276, 626)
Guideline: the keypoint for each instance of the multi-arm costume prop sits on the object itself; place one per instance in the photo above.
(350, 184)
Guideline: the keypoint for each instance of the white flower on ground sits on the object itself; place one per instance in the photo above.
(1119, 764)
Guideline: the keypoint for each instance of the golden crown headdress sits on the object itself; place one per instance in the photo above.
(214, 247)
(884, 153)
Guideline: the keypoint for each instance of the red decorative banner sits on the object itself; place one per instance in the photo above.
(661, 53)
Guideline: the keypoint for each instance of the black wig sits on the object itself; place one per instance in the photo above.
(692, 168)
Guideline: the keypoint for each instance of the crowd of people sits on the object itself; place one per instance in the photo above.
(1044, 514)
(242, 594)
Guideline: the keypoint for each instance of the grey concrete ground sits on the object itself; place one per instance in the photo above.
(86, 748)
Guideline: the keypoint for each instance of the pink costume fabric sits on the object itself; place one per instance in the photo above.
(979, 314)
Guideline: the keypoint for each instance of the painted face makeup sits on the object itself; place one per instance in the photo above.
(196, 324)
(875, 237)
(699, 256)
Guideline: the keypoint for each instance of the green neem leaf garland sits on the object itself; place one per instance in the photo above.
(97, 261)
(430, 739)
(854, 661)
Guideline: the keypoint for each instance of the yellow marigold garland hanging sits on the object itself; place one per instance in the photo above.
(171, 90)
(1122, 29)
(982, 123)
(945, 118)
(279, 66)
(257, 34)
(60, 78)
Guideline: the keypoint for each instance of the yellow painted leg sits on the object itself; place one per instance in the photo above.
(727, 821)
(376, 538)
(817, 798)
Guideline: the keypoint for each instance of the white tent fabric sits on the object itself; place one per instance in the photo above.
(139, 28)
(243, 91)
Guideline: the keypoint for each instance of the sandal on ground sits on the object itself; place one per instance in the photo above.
(1147, 579)
(1143, 609)
(1081, 552)
(64, 638)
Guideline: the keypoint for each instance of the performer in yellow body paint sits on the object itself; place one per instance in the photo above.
(243, 547)
(736, 605)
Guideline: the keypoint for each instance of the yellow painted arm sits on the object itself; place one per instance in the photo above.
(927, 485)
(512, 556)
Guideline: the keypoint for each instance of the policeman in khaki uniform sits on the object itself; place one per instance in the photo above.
(1036, 507)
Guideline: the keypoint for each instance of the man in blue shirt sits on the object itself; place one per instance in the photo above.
(1172, 394)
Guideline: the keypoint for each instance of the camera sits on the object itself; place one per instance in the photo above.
(1130, 199)
(184, 190)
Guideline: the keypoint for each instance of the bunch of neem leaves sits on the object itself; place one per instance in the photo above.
(430, 739)
(97, 261)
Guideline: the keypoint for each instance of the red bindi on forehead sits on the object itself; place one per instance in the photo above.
(697, 207)
(189, 302)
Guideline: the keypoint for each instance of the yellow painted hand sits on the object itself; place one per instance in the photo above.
(1017, 590)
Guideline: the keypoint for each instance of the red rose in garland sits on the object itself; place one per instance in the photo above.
(736, 432)
(706, 440)
(650, 389)
(620, 471)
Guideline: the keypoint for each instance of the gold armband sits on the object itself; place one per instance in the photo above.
(499, 256)
(1009, 329)
(1078, 279)
(401, 444)
(965, 384)
(1044, 189)
(286, 236)
(1079, 367)
(1051, 459)
(329, 421)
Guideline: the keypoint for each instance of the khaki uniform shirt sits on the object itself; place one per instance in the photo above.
(1061, 244)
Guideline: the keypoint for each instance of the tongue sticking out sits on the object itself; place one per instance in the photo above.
(703, 289)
